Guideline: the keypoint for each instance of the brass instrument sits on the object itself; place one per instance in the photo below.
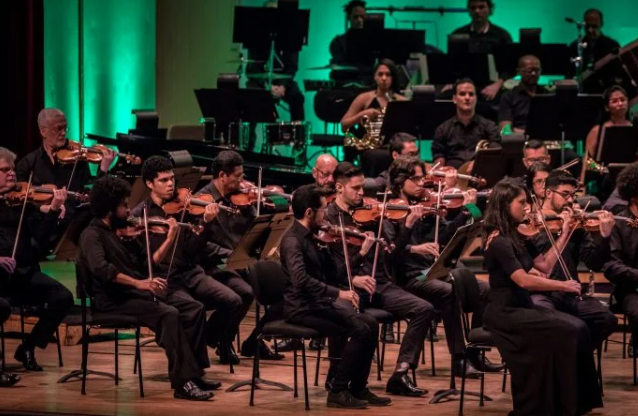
(372, 138)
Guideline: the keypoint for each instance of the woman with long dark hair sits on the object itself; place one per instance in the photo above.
(548, 352)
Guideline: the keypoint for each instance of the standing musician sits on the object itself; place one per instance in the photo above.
(598, 45)
(120, 284)
(6, 379)
(407, 174)
(379, 291)
(547, 352)
(313, 300)
(20, 277)
(174, 252)
(226, 230)
(455, 140)
(343, 51)
(560, 189)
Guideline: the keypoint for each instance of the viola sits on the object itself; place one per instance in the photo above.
(73, 151)
(396, 210)
(183, 200)
(37, 194)
(328, 234)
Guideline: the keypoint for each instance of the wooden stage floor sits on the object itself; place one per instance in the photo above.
(39, 393)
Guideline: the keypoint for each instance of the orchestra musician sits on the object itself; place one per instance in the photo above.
(21, 279)
(547, 352)
(560, 188)
(407, 174)
(323, 171)
(175, 262)
(120, 284)
(379, 291)
(598, 45)
(401, 144)
(6, 379)
(342, 52)
(535, 179)
(455, 140)
(312, 300)
(226, 230)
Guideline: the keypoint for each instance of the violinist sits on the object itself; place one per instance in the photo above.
(120, 284)
(323, 172)
(401, 144)
(535, 181)
(20, 277)
(226, 230)
(174, 259)
(313, 300)
(379, 291)
(560, 188)
(406, 177)
(535, 151)
(547, 352)
(622, 268)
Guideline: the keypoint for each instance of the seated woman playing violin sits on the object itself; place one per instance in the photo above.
(576, 244)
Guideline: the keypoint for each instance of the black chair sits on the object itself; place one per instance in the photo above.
(615, 308)
(268, 281)
(88, 319)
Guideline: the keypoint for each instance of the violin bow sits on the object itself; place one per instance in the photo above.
(24, 207)
(179, 230)
(438, 218)
(148, 248)
(346, 256)
(259, 191)
(380, 230)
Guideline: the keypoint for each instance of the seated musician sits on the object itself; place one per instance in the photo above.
(323, 172)
(535, 151)
(370, 105)
(560, 188)
(226, 230)
(342, 52)
(455, 140)
(598, 45)
(120, 284)
(485, 36)
(514, 105)
(401, 144)
(6, 379)
(379, 291)
(20, 277)
(622, 268)
(312, 300)
(535, 179)
(407, 174)
(186, 279)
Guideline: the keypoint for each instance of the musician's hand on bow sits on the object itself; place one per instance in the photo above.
(426, 249)
(210, 212)
(155, 285)
(366, 283)
(571, 286)
(7, 264)
(350, 295)
(416, 213)
(469, 197)
(607, 222)
(367, 243)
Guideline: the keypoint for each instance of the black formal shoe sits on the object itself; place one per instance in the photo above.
(489, 366)
(207, 385)
(264, 352)
(27, 358)
(8, 379)
(285, 345)
(328, 385)
(224, 356)
(630, 347)
(371, 398)
(401, 384)
(190, 391)
(317, 343)
(470, 371)
(345, 400)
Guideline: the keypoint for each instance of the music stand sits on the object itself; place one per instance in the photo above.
(446, 69)
(618, 147)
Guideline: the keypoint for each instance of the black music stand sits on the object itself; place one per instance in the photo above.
(618, 147)
(440, 270)
(419, 119)
(446, 69)
(494, 164)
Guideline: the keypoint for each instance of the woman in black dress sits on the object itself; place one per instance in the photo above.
(548, 352)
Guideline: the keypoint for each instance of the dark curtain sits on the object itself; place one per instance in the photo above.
(22, 28)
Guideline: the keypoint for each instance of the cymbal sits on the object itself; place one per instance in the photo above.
(335, 67)
(266, 75)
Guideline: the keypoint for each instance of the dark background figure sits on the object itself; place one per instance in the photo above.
(597, 44)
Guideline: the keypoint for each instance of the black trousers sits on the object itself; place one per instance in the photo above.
(228, 307)
(404, 305)
(341, 322)
(178, 324)
(235, 282)
(5, 310)
(439, 293)
(598, 317)
(42, 291)
(629, 305)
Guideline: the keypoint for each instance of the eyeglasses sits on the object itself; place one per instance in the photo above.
(566, 194)
(6, 169)
(538, 182)
(324, 174)
(417, 179)
(532, 160)
(531, 71)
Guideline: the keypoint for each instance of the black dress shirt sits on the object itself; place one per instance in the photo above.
(484, 42)
(622, 268)
(309, 268)
(456, 142)
(106, 255)
(514, 106)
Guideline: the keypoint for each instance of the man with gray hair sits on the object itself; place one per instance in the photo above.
(20, 277)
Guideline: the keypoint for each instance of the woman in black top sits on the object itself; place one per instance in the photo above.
(548, 352)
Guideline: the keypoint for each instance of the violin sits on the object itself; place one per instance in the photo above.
(156, 225)
(451, 199)
(433, 176)
(396, 210)
(329, 234)
(194, 205)
(248, 194)
(73, 151)
(589, 221)
(37, 194)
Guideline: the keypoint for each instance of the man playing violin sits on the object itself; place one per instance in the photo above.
(379, 291)
(119, 282)
(226, 230)
(323, 171)
(576, 245)
(312, 300)
(174, 259)
(406, 178)
(20, 277)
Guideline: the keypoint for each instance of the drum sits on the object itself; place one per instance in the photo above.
(292, 133)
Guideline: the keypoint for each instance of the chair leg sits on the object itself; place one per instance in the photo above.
(423, 353)
(135, 359)
(379, 365)
(432, 357)
(57, 338)
(227, 344)
(462, 387)
(139, 361)
(295, 370)
(253, 381)
(504, 379)
(481, 401)
(398, 338)
(382, 353)
(318, 365)
(2, 354)
(305, 374)
(22, 325)
(624, 337)
(238, 342)
(117, 357)
(599, 355)
(85, 357)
